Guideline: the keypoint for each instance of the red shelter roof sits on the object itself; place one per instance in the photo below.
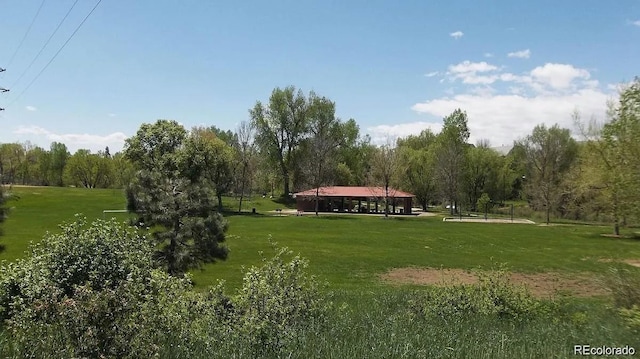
(347, 191)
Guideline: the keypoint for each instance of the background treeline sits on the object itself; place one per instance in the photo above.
(294, 142)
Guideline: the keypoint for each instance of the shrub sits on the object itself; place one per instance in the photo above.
(277, 300)
(492, 296)
(92, 291)
(624, 284)
(89, 291)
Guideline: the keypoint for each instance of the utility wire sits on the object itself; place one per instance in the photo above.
(56, 54)
(25, 34)
(45, 45)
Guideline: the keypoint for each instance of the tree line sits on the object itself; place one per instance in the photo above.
(294, 141)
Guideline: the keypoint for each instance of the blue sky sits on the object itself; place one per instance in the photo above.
(396, 67)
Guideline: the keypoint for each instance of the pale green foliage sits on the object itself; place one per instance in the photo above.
(450, 155)
(484, 202)
(549, 155)
(277, 300)
(92, 291)
(89, 170)
(417, 156)
(280, 127)
(385, 164)
(493, 296)
(80, 293)
(632, 316)
(624, 283)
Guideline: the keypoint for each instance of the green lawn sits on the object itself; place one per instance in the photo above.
(348, 251)
(372, 319)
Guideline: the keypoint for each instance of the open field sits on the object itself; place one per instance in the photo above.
(349, 252)
(377, 270)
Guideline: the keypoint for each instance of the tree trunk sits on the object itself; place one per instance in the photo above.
(317, 194)
(548, 213)
(219, 195)
(244, 168)
(285, 178)
(386, 201)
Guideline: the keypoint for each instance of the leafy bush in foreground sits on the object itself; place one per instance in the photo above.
(493, 296)
(81, 292)
(277, 301)
(624, 284)
(93, 291)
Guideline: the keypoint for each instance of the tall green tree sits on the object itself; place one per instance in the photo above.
(325, 135)
(246, 154)
(174, 197)
(451, 156)
(481, 173)
(385, 165)
(209, 158)
(619, 153)
(549, 153)
(89, 170)
(280, 128)
(59, 157)
(12, 158)
(417, 155)
(354, 156)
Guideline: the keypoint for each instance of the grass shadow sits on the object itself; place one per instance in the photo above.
(332, 217)
(242, 214)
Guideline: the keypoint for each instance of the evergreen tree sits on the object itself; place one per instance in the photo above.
(174, 197)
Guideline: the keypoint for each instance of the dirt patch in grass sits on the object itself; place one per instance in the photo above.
(542, 285)
(631, 262)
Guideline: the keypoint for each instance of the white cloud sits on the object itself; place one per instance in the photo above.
(115, 140)
(488, 54)
(468, 66)
(31, 108)
(456, 35)
(637, 23)
(112, 115)
(503, 106)
(467, 71)
(522, 54)
(503, 118)
(558, 76)
(432, 74)
(383, 133)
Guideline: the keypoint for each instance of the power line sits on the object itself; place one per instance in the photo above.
(25, 34)
(44, 46)
(56, 54)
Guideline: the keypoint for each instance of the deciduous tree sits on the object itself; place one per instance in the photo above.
(451, 156)
(549, 153)
(384, 170)
(280, 128)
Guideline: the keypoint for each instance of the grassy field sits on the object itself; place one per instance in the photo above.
(350, 252)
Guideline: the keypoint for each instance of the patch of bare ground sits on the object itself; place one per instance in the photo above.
(542, 285)
(631, 262)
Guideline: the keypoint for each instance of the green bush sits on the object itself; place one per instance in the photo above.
(93, 291)
(277, 300)
(624, 284)
(88, 291)
(493, 296)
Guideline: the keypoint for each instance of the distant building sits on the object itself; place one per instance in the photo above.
(353, 199)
